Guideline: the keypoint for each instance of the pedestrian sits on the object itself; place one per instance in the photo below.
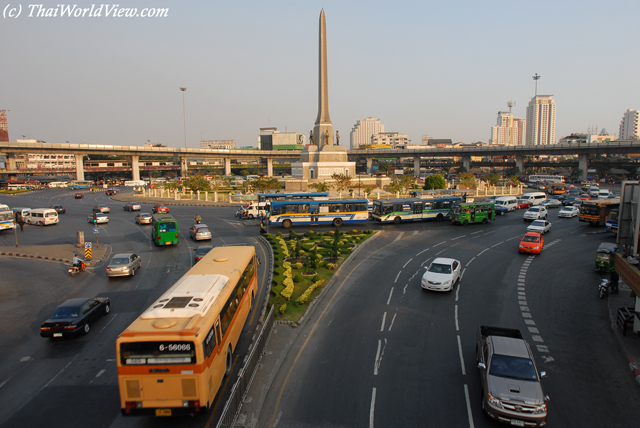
(262, 230)
(20, 221)
(615, 278)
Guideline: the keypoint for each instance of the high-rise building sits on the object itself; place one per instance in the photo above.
(393, 139)
(629, 125)
(541, 121)
(509, 131)
(363, 131)
(271, 139)
(4, 127)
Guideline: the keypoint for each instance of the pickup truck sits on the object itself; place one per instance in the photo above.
(511, 390)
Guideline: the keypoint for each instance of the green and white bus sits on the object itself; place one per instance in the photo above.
(479, 212)
(164, 229)
(412, 209)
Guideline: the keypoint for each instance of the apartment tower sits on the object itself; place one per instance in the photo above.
(363, 131)
(541, 121)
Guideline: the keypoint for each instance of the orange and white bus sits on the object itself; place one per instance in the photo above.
(172, 359)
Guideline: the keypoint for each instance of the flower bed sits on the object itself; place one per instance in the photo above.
(304, 263)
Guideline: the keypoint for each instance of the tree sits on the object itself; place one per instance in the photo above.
(406, 181)
(217, 181)
(383, 167)
(514, 180)
(394, 187)
(468, 180)
(264, 185)
(197, 182)
(435, 181)
(492, 178)
(320, 187)
(341, 182)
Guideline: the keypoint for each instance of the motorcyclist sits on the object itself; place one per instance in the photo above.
(198, 218)
(77, 262)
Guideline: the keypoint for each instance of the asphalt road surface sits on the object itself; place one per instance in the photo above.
(376, 351)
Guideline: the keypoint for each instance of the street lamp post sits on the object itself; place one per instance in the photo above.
(184, 117)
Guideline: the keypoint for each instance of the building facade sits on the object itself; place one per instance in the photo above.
(393, 139)
(541, 121)
(4, 126)
(509, 131)
(218, 144)
(271, 139)
(629, 125)
(363, 130)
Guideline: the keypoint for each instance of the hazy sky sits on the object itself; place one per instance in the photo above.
(438, 68)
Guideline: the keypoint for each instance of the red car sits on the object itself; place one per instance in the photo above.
(523, 203)
(585, 197)
(531, 242)
(160, 208)
(78, 196)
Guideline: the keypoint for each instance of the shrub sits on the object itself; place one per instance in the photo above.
(279, 234)
(298, 278)
(283, 308)
(288, 288)
(311, 232)
(305, 296)
(298, 265)
(331, 266)
(316, 278)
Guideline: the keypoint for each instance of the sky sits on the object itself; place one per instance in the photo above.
(438, 68)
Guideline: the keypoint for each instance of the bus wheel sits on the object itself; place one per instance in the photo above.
(465, 222)
(286, 223)
(484, 221)
(227, 369)
(397, 220)
(439, 217)
(337, 222)
(251, 216)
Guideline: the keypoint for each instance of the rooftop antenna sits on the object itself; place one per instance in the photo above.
(536, 78)
(510, 104)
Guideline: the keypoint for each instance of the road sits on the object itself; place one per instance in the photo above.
(376, 351)
(67, 383)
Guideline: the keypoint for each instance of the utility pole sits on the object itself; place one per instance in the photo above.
(184, 117)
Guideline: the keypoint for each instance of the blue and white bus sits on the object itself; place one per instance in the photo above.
(412, 209)
(79, 184)
(6, 219)
(318, 211)
(268, 197)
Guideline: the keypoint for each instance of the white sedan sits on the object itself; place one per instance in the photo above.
(569, 211)
(442, 274)
(540, 226)
(100, 218)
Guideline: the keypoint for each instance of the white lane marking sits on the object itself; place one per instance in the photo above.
(464, 372)
(499, 243)
(399, 236)
(466, 396)
(390, 294)
(456, 317)
(453, 239)
(384, 317)
(2, 384)
(424, 262)
(426, 249)
(107, 324)
(168, 269)
(101, 372)
(440, 243)
(415, 232)
(474, 233)
(404, 290)
(459, 285)
(379, 356)
(405, 265)
(480, 253)
(393, 320)
(58, 374)
(469, 262)
(397, 276)
(440, 252)
(453, 245)
(373, 407)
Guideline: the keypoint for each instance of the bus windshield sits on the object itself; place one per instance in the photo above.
(163, 352)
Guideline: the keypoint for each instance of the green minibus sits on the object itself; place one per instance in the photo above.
(164, 229)
(477, 212)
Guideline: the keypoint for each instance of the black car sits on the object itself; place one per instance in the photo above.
(570, 201)
(59, 209)
(75, 316)
(202, 251)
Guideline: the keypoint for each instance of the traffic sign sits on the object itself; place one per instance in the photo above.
(87, 245)
(96, 230)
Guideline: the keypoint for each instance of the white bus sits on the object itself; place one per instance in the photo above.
(6, 220)
(134, 183)
(56, 184)
(541, 178)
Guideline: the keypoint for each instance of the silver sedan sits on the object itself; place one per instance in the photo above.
(124, 264)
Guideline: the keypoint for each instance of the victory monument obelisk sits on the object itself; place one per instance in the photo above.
(322, 157)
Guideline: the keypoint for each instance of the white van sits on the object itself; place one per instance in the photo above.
(256, 209)
(536, 198)
(22, 211)
(594, 191)
(41, 216)
(508, 202)
(4, 207)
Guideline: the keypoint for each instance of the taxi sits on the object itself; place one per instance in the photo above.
(531, 242)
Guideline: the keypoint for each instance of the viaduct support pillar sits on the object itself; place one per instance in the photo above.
(416, 166)
(183, 166)
(79, 167)
(583, 164)
(135, 167)
(369, 165)
(269, 167)
(466, 163)
(227, 166)
(520, 163)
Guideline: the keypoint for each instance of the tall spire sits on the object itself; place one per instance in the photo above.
(323, 82)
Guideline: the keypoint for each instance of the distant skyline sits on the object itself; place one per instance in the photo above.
(442, 69)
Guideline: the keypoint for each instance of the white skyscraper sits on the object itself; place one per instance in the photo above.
(509, 131)
(629, 125)
(363, 130)
(541, 121)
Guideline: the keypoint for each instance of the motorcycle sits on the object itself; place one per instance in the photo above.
(604, 287)
(74, 270)
(198, 219)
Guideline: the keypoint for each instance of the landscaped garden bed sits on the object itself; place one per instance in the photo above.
(304, 263)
